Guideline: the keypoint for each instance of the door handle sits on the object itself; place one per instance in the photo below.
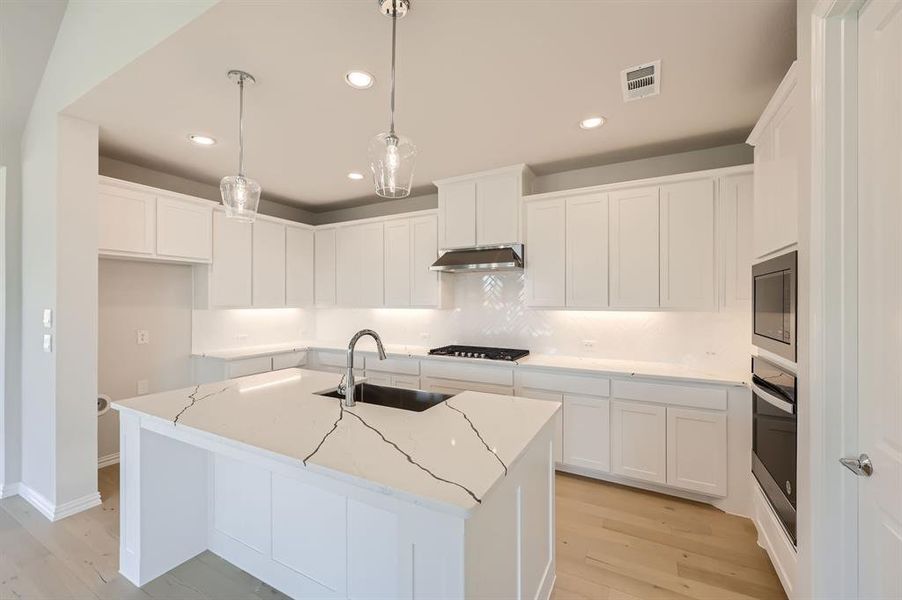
(861, 466)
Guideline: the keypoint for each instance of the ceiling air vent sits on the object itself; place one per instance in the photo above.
(641, 81)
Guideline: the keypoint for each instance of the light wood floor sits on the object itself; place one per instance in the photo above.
(614, 543)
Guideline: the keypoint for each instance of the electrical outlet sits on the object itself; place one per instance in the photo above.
(143, 387)
(143, 336)
(589, 344)
(241, 337)
(48, 342)
(48, 318)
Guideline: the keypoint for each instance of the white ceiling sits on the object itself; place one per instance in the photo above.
(27, 32)
(481, 84)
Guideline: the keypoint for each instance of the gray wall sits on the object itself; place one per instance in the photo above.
(136, 295)
(656, 166)
(118, 169)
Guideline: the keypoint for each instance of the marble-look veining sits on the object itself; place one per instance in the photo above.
(438, 457)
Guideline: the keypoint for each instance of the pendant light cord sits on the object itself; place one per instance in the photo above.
(241, 126)
(394, 26)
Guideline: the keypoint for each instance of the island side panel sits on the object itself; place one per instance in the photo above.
(311, 536)
(509, 548)
(163, 501)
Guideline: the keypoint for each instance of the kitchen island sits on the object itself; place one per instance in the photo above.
(325, 501)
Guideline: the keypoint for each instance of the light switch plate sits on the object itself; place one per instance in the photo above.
(48, 318)
(143, 336)
(143, 387)
(48, 342)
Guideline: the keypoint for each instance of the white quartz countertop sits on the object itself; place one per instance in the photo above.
(549, 362)
(447, 457)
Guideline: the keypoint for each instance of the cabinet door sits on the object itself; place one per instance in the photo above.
(498, 209)
(231, 271)
(777, 179)
(545, 259)
(638, 440)
(269, 264)
(634, 248)
(424, 283)
(324, 267)
(734, 240)
(299, 268)
(587, 251)
(559, 418)
(697, 450)
(587, 427)
(184, 229)
(458, 214)
(126, 220)
(687, 245)
(397, 263)
(360, 261)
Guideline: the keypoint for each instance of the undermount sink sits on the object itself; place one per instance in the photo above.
(415, 400)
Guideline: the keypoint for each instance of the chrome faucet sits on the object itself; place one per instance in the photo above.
(348, 388)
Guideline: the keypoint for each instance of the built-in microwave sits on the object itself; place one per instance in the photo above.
(774, 286)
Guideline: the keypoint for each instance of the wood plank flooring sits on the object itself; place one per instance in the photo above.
(620, 543)
(614, 543)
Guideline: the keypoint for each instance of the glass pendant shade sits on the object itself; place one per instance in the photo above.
(392, 159)
(240, 196)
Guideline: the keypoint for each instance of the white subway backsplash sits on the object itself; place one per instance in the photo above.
(490, 310)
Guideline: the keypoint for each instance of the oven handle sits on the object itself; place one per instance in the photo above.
(773, 400)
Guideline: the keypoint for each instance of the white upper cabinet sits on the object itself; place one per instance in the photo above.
(299, 255)
(268, 264)
(360, 265)
(457, 203)
(776, 137)
(397, 263)
(687, 245)
(546, 256)
(184, 229)
(482, 209)
(424, 283)
(634, 248)
(498, 209)
(324, 267)
(734, 240)
(126, 220)
(587, 251)
(231, 274)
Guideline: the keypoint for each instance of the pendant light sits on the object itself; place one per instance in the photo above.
(240, 195)
(391, 155)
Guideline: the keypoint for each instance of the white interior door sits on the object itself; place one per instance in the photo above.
(880, 298)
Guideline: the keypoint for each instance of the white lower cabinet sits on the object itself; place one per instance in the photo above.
(249, 366)
(696, 450)
(638, 440)
(537, 394)
(587, 423)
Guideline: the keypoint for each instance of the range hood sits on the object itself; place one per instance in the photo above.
(481, 258)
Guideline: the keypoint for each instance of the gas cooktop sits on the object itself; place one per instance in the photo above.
(488, 353)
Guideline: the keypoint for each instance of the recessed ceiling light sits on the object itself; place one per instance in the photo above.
(359, 80)
(201, 140)
(592, 122)
(355, 176)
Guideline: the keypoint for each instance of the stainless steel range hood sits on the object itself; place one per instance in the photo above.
(482, 258)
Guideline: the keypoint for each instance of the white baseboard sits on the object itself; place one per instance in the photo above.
(8, 490)
(55, 512)
(109, 459)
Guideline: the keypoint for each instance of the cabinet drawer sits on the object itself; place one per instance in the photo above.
(378, 378)
(404, 366)
(468, 372)
(572, 384)
(250, 366)
(683, 395)
(448, 386)
(337, 359)
(406, 382)
(289, 360)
